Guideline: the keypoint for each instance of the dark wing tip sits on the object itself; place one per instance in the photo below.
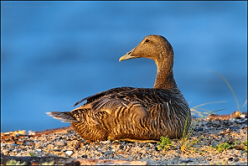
(80, 101)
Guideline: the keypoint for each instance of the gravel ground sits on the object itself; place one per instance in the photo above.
(68, 147)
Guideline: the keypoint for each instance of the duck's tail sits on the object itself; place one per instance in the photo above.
(63, 116)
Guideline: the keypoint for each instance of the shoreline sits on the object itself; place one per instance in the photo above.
(63, 146)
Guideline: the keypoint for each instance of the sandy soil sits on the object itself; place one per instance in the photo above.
(64, 146)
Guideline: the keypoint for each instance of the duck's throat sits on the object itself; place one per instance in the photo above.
(165, 78)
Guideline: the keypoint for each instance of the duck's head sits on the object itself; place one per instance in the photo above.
(155, 47)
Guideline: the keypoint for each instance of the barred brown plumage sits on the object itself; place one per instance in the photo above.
(135, 113)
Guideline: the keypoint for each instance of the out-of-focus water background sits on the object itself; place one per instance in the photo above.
(56, 53)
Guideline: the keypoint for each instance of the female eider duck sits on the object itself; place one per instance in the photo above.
(127, 113)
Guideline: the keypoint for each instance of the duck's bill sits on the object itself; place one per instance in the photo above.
(127, 56)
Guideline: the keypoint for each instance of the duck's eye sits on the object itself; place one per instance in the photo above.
(147, 40)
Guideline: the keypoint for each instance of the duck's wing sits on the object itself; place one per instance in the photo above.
(126, 97)
(103, 94)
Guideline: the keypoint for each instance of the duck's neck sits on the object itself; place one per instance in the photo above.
(165, 78)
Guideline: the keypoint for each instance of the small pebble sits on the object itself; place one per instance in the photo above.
(11, 146)
(186, 161)
(105, 142)
(60, 143)
(84, 156)
(69, 153)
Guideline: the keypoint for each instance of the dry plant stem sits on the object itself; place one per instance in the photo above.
(230, 87)
(235, 114)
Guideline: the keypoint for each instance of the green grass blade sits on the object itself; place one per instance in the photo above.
(243, 105)
(245, 102)
(32, 154)
(195, 108)
(204, 109)
(186, 137)
(185, 129)
(230, 89)
(208, 103)
(193, 125)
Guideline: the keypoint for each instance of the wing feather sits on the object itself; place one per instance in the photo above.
(118, 97)
(103, 94)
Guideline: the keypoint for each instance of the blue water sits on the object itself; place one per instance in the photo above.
(56, 53)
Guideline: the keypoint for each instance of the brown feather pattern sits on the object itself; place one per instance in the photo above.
(135, 113)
